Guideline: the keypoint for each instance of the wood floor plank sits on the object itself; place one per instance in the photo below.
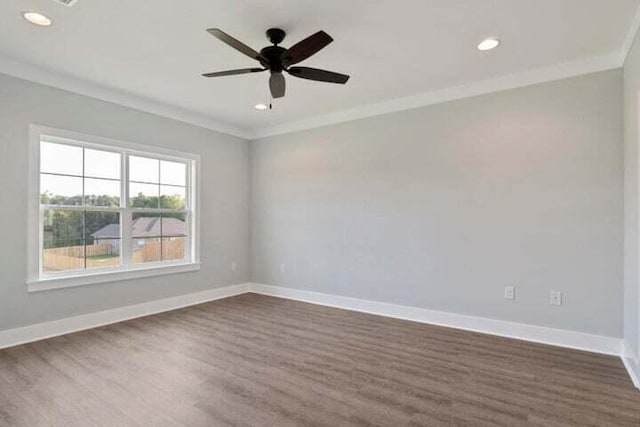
(253, 360)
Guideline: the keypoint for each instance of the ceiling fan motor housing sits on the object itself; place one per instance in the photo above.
(273, 54)
(275, 35)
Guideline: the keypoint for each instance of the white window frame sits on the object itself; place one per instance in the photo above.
(38, 280)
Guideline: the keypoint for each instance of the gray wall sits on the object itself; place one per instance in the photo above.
(225, 200)
(441, 207)
(631, 141)
(438, 207)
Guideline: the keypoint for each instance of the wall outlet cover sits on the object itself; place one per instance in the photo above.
(509, 292)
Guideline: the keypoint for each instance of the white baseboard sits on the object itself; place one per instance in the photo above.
(539, 334)
(13, 337)
(632, 363)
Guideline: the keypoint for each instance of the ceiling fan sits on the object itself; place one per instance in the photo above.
(277, 59)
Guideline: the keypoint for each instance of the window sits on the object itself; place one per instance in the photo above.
(106, 208)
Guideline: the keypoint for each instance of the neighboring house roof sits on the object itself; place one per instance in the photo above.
(144, 227)
(109, 231)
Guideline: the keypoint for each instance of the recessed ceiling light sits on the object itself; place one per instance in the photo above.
(261, 106)
(488, 44)
(37, 18)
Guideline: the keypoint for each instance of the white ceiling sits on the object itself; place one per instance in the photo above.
(391, 48)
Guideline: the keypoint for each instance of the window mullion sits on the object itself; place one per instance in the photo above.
(126, 217)
(189, 217)
(84, 215)
(40, 241)
(81, 208)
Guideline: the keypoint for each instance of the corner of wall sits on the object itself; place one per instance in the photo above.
(250, 226)
(631, 363)
(630, 62)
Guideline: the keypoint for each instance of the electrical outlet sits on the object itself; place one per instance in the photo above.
(234, 266)
(282, 268)
(509, 292)
(555, 298)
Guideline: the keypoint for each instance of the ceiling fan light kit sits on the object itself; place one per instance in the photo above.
(278, 60)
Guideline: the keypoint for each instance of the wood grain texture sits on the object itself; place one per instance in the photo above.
(254, 360)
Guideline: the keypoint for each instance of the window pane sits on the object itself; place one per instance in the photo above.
(62, 226)
(143, 195)
(101, 164)
(101, 192)
(101, 226)
(103, 239)
(173, 248)
(70, 235)
(173, 173)
(172, 197)
(65, 256)
(146, 250)
(103, 253)
(62, 238)
(174, 225)
(60, 158)
(144, 169)
(145, 225)
(60, 190)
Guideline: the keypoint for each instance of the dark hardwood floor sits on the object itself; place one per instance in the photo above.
(253, 360)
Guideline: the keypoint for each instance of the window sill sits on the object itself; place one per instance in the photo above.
(45, 284)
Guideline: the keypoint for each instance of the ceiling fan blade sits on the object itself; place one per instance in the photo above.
(318, 75)
(236, 44)
(277, 85)
(234, 72)
(305, 48)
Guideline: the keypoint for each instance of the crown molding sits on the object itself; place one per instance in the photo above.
(30, 72)
(51, 78)
(630, 39)
(528, 78)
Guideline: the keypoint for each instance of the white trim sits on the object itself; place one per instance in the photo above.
(55, 328)
(196, 203)
(34, 236)
(89, 278)
(503, 328)
(632, 363)
(528, 78)
(22, 70)
(72, 137)
(630, 38)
